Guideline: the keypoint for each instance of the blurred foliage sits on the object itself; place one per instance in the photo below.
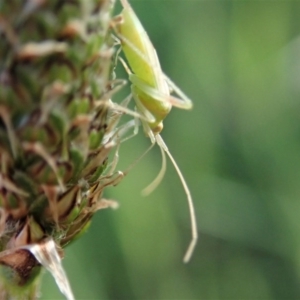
(239, 150)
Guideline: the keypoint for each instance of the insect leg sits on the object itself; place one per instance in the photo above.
(183, 102)
(154, 184)
(194, 231)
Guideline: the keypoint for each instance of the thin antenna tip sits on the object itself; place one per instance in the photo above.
(147, 191)
(190, 250)
(144, 194)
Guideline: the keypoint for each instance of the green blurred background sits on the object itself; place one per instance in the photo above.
(239, 150)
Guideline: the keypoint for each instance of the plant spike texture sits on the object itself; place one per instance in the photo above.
(57, 128)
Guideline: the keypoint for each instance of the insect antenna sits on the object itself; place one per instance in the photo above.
(194, 232)
(157, 180)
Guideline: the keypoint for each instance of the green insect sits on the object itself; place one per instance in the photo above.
(150, 89)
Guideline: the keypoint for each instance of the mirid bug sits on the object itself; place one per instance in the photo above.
(151, 90)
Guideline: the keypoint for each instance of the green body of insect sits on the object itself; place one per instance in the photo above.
(149, 84)
(151, 92)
